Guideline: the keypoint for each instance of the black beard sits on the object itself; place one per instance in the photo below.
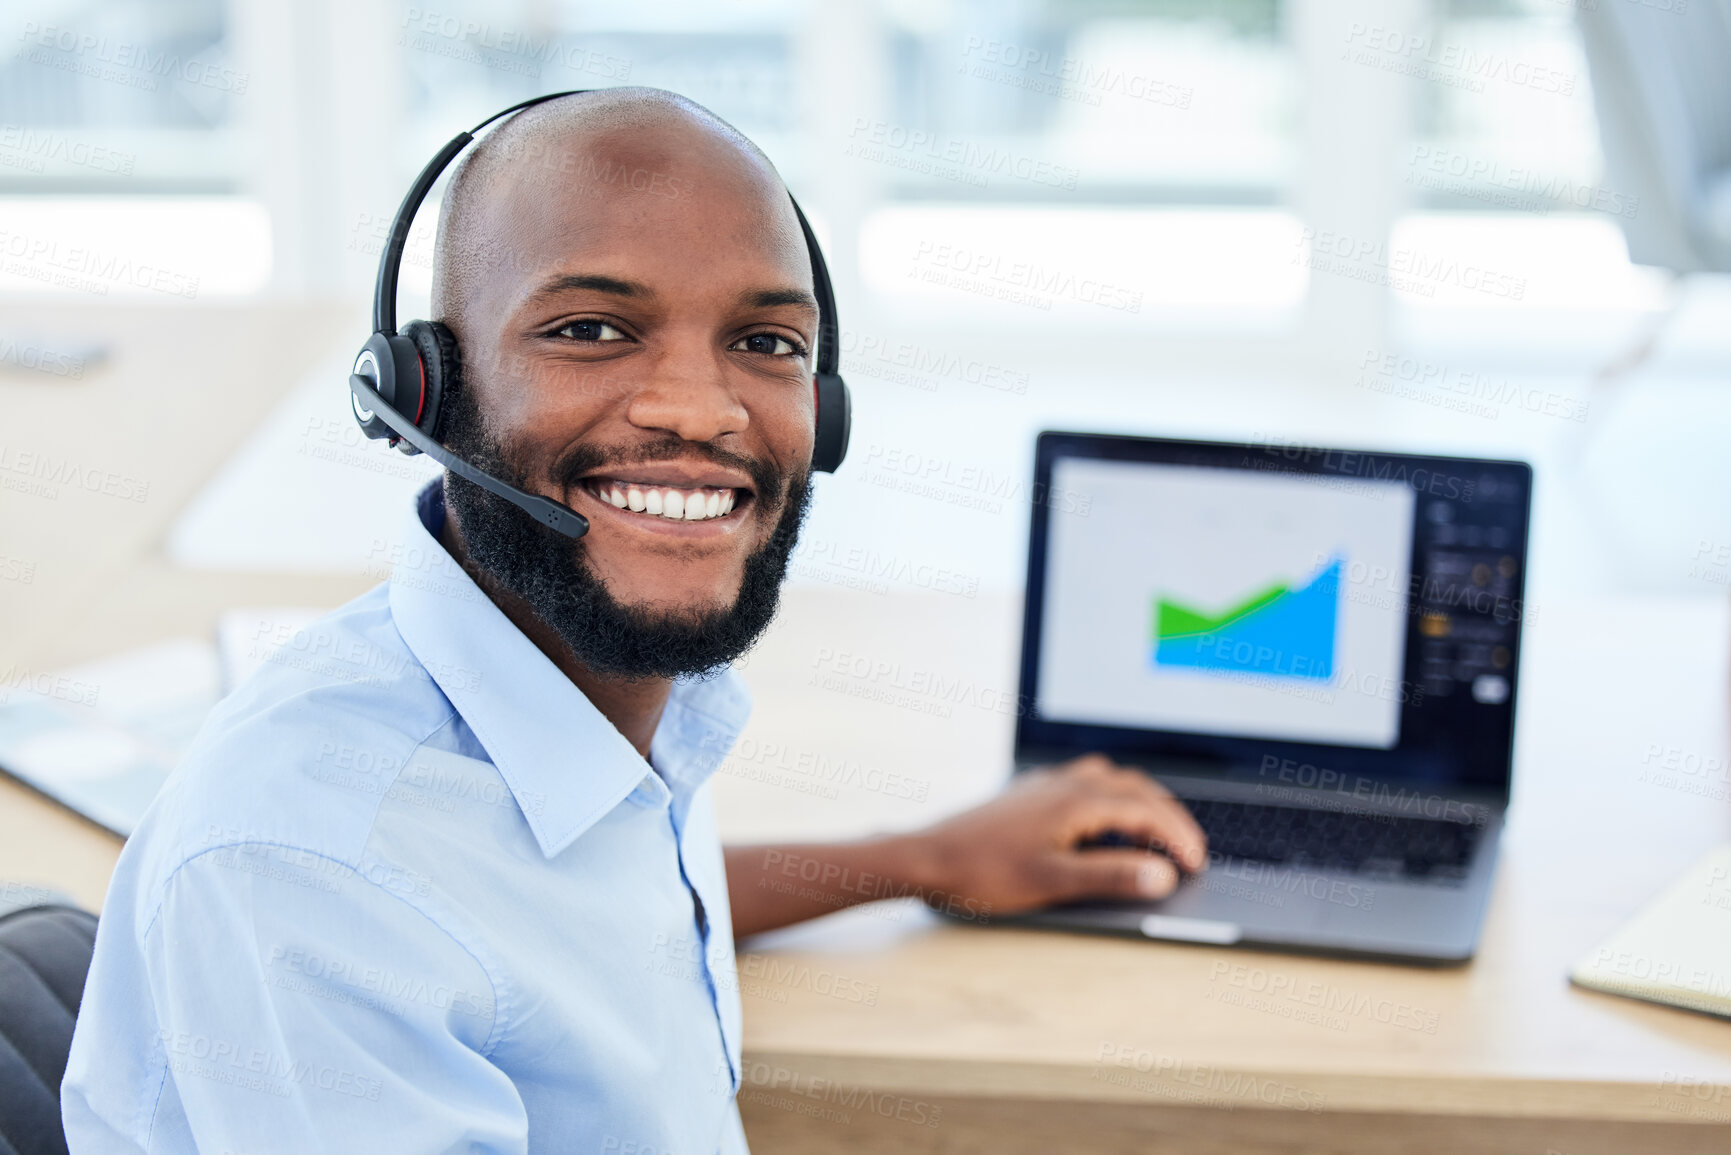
(551, 574)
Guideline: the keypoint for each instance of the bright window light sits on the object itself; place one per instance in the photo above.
(1103, 263)
(154, 248)
(1515, 261)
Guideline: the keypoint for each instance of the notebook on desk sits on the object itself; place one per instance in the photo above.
(101, 738)
(1677, 950)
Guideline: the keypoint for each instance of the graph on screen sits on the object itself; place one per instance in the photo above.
(1275, 631)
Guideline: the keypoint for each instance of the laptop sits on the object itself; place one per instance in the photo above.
(1316, 649)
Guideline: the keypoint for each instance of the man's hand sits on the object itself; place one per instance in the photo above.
(1022, 850)
(1025, 848)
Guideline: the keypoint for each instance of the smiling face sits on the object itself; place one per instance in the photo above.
(636, 342)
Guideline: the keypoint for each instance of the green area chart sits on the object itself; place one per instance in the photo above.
(1278, 631)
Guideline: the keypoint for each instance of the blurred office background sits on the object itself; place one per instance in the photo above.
(1387, 223)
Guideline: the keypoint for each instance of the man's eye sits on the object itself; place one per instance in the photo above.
(591, 331)
(770, 344)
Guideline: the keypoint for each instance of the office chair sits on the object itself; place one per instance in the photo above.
(44, 956)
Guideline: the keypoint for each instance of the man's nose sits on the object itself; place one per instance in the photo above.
(688, 394)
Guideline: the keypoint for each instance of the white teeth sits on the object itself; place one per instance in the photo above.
(674, 504)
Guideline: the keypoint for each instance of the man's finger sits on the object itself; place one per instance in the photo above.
(1088, 765)
(1179, 833)
(1158, 822)
(1124, 874)
(1188, 840)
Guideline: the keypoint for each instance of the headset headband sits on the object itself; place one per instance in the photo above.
(385, 290)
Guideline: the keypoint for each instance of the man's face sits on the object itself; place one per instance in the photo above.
(642, 356)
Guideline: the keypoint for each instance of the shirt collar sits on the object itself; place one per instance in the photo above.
(549, 742)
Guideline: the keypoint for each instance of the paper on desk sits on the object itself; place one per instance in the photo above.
(1677, 950)
(102, 737)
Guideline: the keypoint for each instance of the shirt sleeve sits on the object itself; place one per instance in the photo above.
(303, 1005)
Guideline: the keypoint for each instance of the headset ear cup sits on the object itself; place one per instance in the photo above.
(392, 364)
(834, 423)
(443, 368)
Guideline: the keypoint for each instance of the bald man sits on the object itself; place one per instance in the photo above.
(454, 882)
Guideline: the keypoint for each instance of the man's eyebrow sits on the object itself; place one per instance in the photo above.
(592, 282)
(770, 298)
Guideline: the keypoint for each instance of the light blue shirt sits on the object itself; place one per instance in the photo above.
(410, 891)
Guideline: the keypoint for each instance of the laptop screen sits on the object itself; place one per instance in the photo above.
(1244, 602)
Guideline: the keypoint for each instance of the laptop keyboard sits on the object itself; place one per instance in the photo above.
(1388, 845)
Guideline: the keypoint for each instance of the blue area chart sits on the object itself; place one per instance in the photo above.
(1278, 632)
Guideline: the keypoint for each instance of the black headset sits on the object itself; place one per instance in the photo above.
(397, 373)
